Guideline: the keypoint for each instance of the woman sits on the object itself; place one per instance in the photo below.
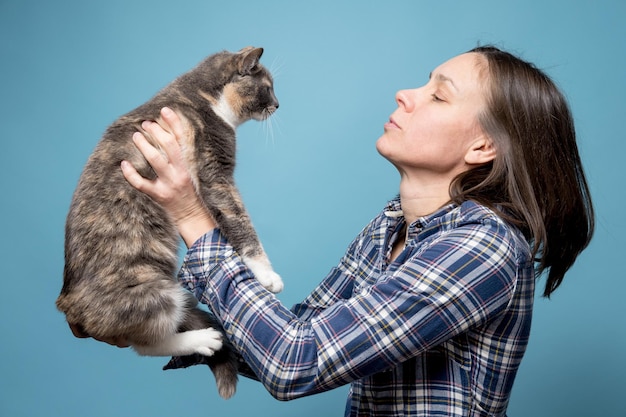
(429, 311)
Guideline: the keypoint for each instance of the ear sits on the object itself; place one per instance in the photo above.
(249, 59)
(481, 151)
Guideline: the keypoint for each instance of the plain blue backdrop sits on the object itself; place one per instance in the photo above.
(311, 178)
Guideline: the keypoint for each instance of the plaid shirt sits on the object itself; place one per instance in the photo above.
(440, 331)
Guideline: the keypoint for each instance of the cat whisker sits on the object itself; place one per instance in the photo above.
(269, 125)
(269, 130)
(276, 67)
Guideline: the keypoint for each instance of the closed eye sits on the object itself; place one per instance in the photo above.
(436, 98)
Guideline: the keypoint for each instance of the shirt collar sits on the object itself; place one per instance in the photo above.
(394, 210)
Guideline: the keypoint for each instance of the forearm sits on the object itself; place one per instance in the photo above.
(281, 350)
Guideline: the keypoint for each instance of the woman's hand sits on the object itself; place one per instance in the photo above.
(173, 188)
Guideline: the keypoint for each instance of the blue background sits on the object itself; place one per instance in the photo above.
(311, 177)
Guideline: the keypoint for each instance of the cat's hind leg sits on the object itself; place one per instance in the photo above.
(194, 331)
(204, 341)
(224, 362)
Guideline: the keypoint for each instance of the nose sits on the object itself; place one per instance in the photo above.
(274, 100)
(272, 107)
(404, 100)
(271, 103)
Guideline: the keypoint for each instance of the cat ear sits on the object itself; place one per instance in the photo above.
(249, 60)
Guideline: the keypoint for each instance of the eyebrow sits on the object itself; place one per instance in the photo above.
(443, 78)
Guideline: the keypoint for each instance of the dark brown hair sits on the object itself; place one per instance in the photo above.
(537, 180)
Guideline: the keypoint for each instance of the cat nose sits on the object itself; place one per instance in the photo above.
(272, 106)
(274, 102)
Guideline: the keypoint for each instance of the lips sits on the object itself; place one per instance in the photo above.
(391, 124)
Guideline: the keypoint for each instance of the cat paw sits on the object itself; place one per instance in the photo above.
(271, 281)
(264, 273)
(206, 341)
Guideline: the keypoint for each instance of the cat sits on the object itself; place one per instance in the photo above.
(121, 255)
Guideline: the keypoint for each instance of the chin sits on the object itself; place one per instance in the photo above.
(382, 146)
(379, 142)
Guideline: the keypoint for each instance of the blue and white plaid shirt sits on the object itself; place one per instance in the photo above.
(440, 331)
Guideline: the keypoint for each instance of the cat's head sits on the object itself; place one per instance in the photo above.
(247, 87)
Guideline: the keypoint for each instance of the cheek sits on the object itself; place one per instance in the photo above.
(441, 134)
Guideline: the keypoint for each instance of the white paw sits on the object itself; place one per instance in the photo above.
(264, 273)
(271, 281)
(205, 342)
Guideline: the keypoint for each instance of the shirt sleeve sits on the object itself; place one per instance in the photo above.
(460, 280)
(338, 284)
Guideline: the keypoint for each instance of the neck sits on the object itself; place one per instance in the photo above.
(420, 199)
(222, 109)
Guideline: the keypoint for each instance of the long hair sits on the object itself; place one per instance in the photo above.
(537, 180)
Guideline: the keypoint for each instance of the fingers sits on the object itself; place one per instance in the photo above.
(154, 158)
(168, 133)
(173, 186)
(134, 178)
(158, 159)
(173, 123)
(168, 129)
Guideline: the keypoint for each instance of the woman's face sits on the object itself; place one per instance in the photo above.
(435, 125)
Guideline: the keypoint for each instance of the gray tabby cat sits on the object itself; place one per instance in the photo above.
(121, 247)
